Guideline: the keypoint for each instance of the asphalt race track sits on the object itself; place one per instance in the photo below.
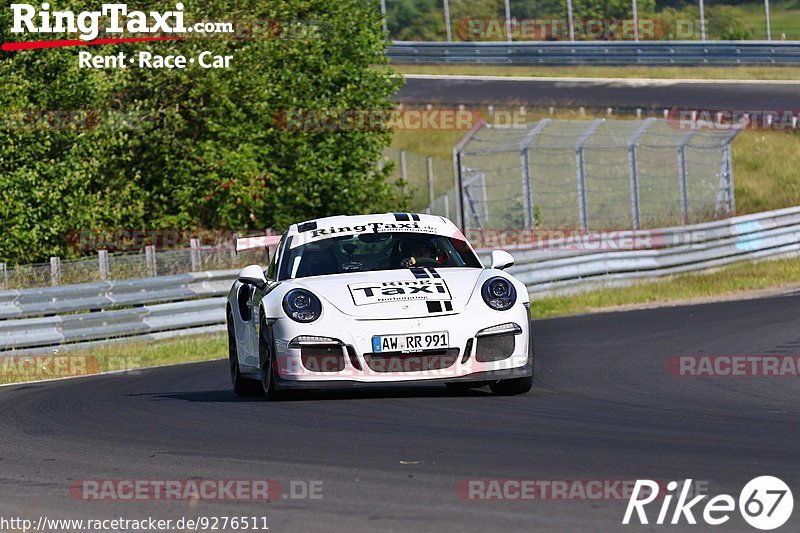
(598, 93)
(603, 407)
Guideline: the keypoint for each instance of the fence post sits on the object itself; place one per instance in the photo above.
(150, 257)
(457, 190)
(404, 171)
(731, 194)
(725, 188)
(3, 276)
(524, 165)
(485, 193)
(725, 194)
(526, 188)
(508, 21)
(55, 271)
(446, 199)
(570, 21)
(431, 191)
(383, 16)
(682, 177)
(702, 21)
(633, 170)
(447, 20)
(634, 175)
(403, 167)
(102, 263)
(194, 245)
(684, 189)
(458, 180)
(580, 165)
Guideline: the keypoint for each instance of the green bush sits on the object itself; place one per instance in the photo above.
(194, 148)
(723, 22)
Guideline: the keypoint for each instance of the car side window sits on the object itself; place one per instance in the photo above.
(272, 270)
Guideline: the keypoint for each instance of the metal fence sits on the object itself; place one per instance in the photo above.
(105, 266)
(428, 181)
(594, 261)
(38, 320)
(598, 174)
(466, 23)
(721, 53)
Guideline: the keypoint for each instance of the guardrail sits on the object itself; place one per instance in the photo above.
(550, 269)
(651, 53)
(39, 320)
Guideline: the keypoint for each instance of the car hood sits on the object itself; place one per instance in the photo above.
(404, 293)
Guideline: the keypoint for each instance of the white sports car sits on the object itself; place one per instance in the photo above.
(397, 298)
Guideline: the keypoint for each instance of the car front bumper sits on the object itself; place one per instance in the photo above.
(305, 359)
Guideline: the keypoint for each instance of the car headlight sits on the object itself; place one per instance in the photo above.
(301, 305)
(499, 293)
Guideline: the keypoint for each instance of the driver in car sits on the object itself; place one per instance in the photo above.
(417, 251)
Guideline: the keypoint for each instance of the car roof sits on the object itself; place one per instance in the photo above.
(321, 228)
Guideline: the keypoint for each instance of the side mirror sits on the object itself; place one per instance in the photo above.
(253, 275)
(501, 259)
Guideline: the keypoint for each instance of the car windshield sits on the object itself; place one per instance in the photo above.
(375, 251)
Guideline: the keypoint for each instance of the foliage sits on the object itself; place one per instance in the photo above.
(722, 22)
(193, 148)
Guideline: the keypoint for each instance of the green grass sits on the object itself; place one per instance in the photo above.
(766, 169)
(128, 356)
(784, 19)
(728, 281)
(766, 164)
(706, 73)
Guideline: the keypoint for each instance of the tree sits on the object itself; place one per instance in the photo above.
(195, 148)
(415, 20)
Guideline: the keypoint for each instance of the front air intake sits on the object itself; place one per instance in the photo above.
(494, 348)
(322, 358)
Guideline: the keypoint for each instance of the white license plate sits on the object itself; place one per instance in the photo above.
(413, 342)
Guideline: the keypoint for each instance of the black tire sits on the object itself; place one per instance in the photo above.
(514, 386)
(242, 386)
(265, 354)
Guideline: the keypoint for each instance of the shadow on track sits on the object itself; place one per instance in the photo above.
(361, 393)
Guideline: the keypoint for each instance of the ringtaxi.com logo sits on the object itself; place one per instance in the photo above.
(765, 503)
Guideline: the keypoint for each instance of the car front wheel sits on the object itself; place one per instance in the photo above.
(511, 387)
(242, 386)
(267, 363)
